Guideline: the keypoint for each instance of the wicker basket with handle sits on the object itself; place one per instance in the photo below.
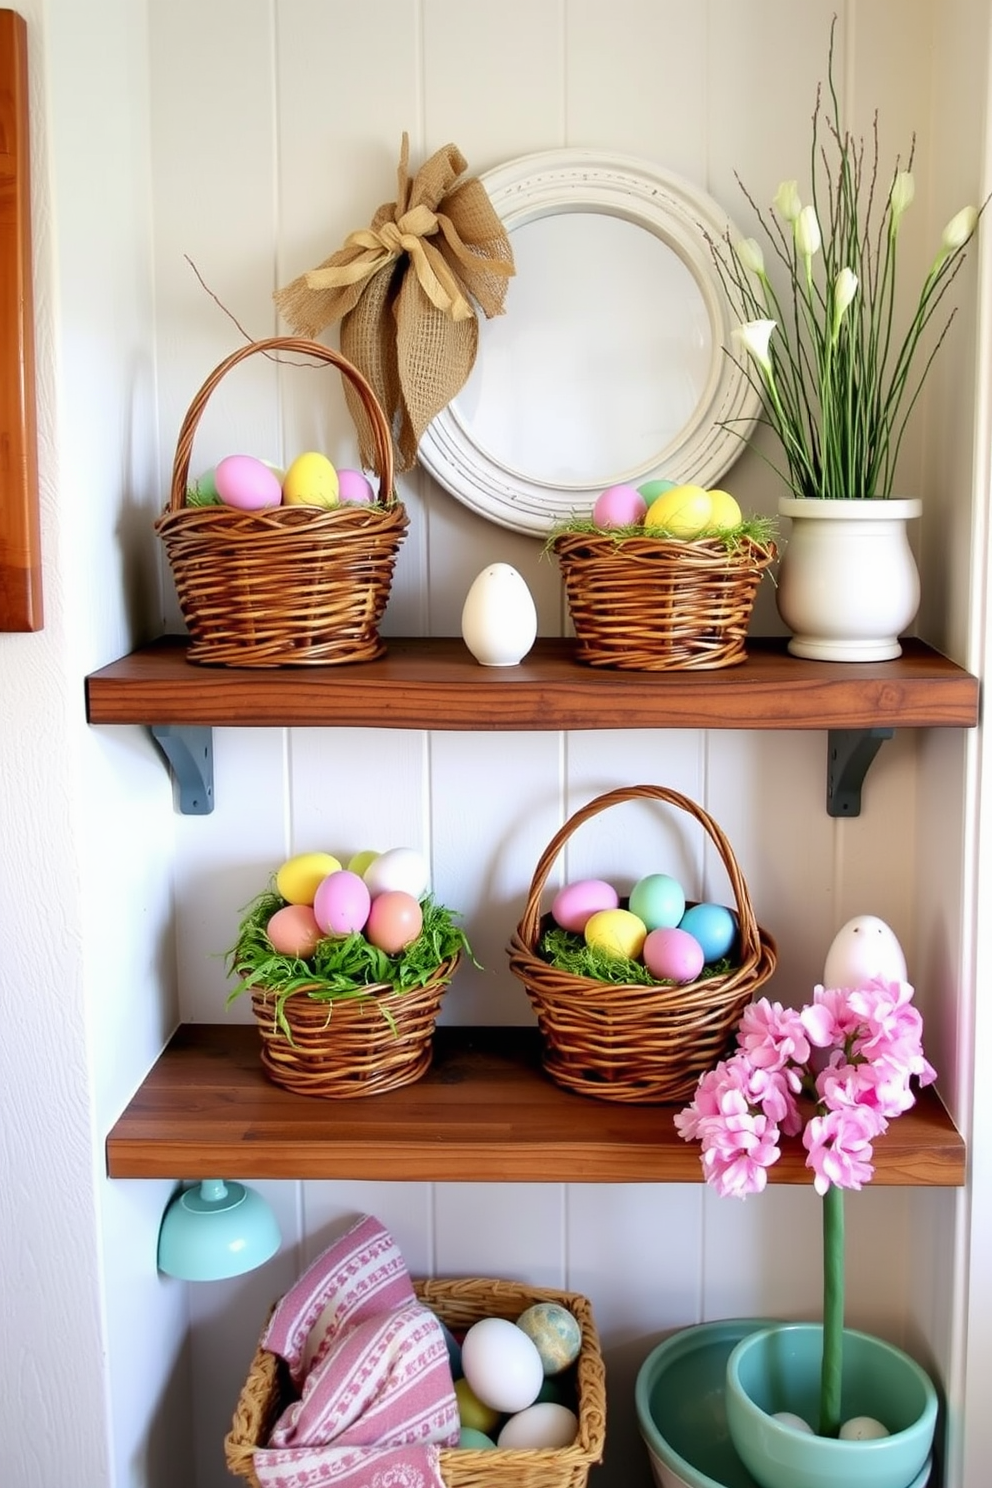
(458, 1303)
(625, 1042)
(660, 604)
(287, 585)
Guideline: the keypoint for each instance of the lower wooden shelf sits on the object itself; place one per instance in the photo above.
(484, 1112)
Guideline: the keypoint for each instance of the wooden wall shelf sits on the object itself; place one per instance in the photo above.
(435, 683)
(484, 1112)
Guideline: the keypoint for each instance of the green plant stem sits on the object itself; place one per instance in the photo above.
(833, 1310)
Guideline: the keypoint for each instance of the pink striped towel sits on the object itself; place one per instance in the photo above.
(377, 1399)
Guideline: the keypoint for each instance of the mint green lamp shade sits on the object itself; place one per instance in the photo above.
(216, 1229)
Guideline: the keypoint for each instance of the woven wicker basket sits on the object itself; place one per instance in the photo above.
(458, 1303)
(658, 604)
(289, 585)
(351, 1046)
(622, 1042)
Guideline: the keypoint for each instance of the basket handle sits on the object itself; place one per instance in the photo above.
(750, 935)
(300, 345)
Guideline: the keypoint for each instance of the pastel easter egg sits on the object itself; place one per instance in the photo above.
(658, 899)
(311, 480)
(358, 862)
(715, 928)
(341, 904)
(544, 1426)
(395, 921)
(299, 877)
(673, 955)
(202, 491)
(652, 489)
(617, 932)
(862, 1428)
(474, 1414)
(293, 931)
(248, 484)
(556, 1332)
(501, 1364)
(355, 487)
(475, 1441)
(862, 950)
(682, 512)
(725, 513)
(400, 868)
(573, 905)
(619, 506)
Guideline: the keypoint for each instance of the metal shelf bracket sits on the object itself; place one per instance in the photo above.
(189, 750)
(849, 754)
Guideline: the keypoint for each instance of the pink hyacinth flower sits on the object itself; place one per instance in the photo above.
(839, 1145)
(772, 1036)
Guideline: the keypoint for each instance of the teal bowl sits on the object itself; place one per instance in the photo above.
(778, 1369)
(679, 1397)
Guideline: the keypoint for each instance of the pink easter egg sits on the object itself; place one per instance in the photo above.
(341, 904)
(248, 484)
(354, 486)
(577, 902)
(673, 955)
(619, 506)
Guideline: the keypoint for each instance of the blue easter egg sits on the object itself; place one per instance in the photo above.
(714, 926)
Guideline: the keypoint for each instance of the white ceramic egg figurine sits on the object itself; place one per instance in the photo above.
(499, 617)
(863, 949)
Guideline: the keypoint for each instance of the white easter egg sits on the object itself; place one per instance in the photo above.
(863, 949)
(539, 1427)
(499, 617)
(789, 1418)
(502, 1365)
(862, 1428)
(400, 868)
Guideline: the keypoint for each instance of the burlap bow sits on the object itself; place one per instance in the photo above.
(403, 290)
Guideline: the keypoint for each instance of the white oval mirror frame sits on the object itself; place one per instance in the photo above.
(529, 441)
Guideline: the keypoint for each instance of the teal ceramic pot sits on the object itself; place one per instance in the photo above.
(778, 1369)
(679, 1397)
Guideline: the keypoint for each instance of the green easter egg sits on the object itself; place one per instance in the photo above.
(556, 1333)
(652, 489)
(203, 490)
(475, 1440)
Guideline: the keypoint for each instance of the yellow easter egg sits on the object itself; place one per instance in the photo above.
(311, 480)
(472, 1412)
(725, 514)
(358, 862)
(683, 511)
(617, 932)
(299, 878)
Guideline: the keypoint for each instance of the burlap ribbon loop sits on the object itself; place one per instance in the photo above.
(405, 291)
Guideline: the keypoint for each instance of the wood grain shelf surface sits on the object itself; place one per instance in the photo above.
(435, 683)
(484, 1112)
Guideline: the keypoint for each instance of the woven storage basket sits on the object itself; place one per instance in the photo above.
(351, 1046)
(657, 604)
(458, 1303)
(623, 1042)
(289, 585)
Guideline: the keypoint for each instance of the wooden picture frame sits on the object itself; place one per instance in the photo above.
(20, 526)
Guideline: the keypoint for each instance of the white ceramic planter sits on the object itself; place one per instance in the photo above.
(848, 585)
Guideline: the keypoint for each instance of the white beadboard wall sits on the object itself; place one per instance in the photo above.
(275, 128)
